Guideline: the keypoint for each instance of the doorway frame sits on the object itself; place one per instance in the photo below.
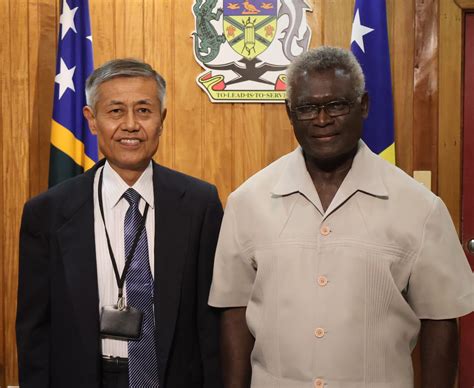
(451, 101)
(451, 45)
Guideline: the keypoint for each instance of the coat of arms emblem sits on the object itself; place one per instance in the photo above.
(245, 47)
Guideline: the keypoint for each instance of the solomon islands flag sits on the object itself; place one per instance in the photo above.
(369, 43)
(73, 147)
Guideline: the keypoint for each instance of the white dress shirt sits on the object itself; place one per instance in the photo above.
(115, 208)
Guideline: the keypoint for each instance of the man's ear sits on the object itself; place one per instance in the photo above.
(90, 117)
(365, 104)
(163, 117)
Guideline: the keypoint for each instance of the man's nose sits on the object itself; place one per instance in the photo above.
(322, 118)
(131, 122)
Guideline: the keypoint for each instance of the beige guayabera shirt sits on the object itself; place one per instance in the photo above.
(335, 298)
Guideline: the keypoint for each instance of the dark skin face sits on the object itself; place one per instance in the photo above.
(329, 143)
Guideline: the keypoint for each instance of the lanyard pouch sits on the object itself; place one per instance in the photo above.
(124, 324)
(120, 321)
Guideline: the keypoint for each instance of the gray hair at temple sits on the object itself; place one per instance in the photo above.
(327, 58)
(127, 67)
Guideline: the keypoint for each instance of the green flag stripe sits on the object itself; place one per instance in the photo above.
(61, 167)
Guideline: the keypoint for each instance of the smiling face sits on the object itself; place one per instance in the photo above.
(325, 139)
(127, 120)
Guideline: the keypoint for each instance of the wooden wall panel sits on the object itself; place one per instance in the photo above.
(103, 30)
(217, 146)
(188, 98)
(316, 22)
(5, 122)
(247, 141)
(159, 52)
(222, 143)
(277, 133)
(401, 17)
(34, 93)
(465, 4)
(337, 25)
(43, 59)
(129, 32)
(15, 169)
(449, 146)
(425, 98)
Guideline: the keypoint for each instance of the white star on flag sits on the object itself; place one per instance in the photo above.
(64, 78)
(67, 19)
(358, 31)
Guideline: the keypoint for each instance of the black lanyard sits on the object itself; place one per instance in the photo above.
(128, 260)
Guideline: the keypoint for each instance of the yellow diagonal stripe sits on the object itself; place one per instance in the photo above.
(389, 153)
(65, 141)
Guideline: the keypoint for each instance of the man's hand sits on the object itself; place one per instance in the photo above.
(236, 345)
(439, 353)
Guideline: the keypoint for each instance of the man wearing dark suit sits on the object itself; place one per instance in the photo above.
(66, 273)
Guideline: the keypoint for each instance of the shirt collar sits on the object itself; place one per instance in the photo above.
(295, 178)
(365, 175)
(115, 186)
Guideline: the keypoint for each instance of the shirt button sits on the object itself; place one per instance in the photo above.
(322, 280)
(325, 230)
(318, 383)
(319, 332)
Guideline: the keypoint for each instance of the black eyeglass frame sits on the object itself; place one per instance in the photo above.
(316, 109)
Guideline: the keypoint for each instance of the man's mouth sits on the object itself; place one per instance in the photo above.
(129, 141)
(327, 136)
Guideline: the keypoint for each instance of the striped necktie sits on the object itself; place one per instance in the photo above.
(142, 362)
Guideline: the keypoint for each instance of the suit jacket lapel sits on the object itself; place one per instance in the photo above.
(77, 248)
(76, 241)
(171, 243)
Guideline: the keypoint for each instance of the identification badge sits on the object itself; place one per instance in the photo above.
(121, 322)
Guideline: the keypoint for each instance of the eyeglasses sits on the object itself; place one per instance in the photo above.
(331, 108)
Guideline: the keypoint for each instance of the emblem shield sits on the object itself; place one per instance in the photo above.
(250, 25)
(245, 46)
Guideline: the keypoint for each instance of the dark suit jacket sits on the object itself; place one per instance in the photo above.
(58, 302)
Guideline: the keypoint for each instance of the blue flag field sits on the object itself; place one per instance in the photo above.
(369, 43)
(73, 147)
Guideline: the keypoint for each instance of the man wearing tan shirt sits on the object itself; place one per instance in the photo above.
(331, 261)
